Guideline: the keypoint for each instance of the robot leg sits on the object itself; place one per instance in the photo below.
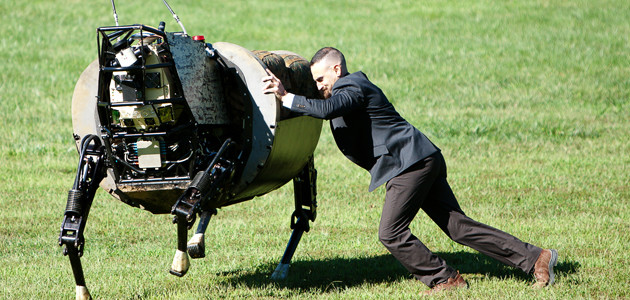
(180, 261)
(89, 174)
(196, 245)
(201, 189)
(305, 192)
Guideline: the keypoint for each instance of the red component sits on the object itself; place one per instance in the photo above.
(199, 38)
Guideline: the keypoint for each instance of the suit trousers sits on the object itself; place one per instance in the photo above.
(424, 186)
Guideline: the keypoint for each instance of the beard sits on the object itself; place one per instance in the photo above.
(325, 93)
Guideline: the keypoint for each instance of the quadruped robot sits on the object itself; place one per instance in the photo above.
(168, 123)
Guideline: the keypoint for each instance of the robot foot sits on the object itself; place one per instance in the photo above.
(180, 264)
(196, 246)
(83, 293)
(281, 272)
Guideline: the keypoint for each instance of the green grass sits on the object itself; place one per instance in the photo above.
(528, 100)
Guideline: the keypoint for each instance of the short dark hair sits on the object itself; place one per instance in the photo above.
(328, 51)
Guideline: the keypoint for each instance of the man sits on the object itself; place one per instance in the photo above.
(369, 132)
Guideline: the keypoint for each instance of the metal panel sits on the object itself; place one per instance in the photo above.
(200, 80)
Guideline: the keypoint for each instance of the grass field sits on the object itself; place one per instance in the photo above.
(529, 101)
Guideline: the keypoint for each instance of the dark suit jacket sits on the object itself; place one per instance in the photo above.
(367, 128)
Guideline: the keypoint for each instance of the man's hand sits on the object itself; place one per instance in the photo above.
(274, 85)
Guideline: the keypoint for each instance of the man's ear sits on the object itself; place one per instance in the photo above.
(337, 69)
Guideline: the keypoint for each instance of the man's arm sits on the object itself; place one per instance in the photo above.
(347, 96)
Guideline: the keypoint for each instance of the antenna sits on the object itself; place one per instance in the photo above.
(175, 17)
(115, 14)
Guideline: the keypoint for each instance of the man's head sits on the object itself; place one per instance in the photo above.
(327, 66)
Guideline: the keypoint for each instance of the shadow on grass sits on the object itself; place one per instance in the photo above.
(340, 273)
